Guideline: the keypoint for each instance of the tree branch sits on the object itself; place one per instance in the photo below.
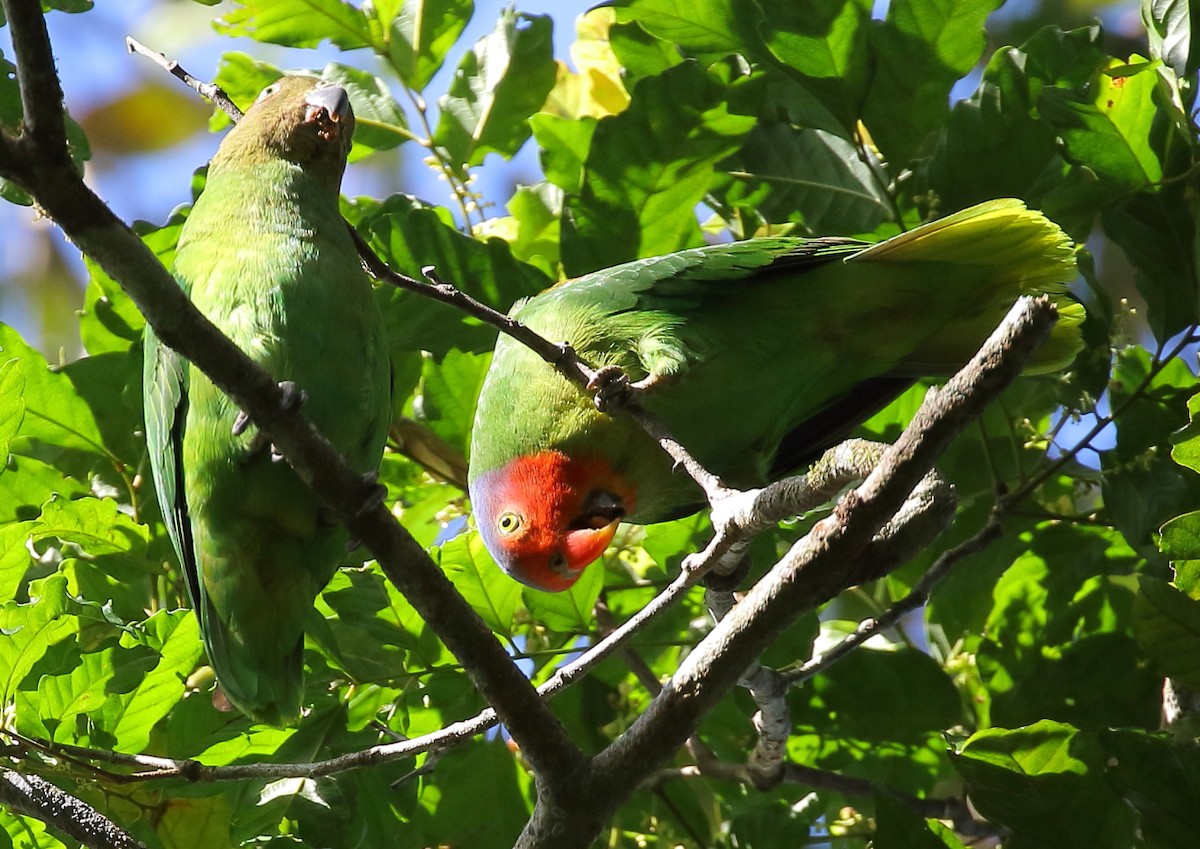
(38, 798)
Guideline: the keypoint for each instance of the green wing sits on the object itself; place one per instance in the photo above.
(165, 380)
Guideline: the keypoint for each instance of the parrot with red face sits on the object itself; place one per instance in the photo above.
(756, 355)
(267, 257)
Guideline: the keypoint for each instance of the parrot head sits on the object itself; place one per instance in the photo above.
(302, 119)
(544, 517)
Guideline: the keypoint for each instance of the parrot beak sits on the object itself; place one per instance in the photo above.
(585, 545)
(593, 529)
(327, 106)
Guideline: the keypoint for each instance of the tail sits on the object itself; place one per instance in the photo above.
(261, 681)
(1026, 254)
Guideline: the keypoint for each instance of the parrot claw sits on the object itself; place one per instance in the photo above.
(612, 389)
(241, 423)
(293, 399)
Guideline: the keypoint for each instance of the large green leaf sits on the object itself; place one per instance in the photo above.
(1160, 779)
(298, 23)
(56, 419)
(410, 237)
(1109, 132)
(827, 45)
(12, 405)
(1045, 784)
(30, 629)
(647, 168)
(492, 594)
(499, 84)
(419, 34)
(993, 144)
(1167, 624)
(707, 29)
(813, 176)
(922, 49)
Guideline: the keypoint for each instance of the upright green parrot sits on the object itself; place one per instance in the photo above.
(266, 256)
(756, 355)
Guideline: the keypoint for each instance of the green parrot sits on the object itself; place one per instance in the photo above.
(756, 355)
(266, 256)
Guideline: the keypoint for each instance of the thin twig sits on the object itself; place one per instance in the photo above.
(211, 91)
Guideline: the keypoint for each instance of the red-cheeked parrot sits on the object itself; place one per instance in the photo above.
(760, 354)
(266, 256)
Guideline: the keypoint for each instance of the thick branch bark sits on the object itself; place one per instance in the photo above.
(38, 798)
(37, 161)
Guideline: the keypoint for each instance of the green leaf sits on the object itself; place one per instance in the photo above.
(447, 395)
(564, 144)
(175, 636)
(56, 419)
(572, 611)
(379, 122)
(479, 801)
(786, 173)
(12, 405)
(27, 484)
(15, 559)
(111, 321)
(898, 826)
(1167, 626)
(492, 594)
(363, 627)
(1142, 486)
(1159, 778)
(922, 49)
(879, 695)
(499, 84)
(1157, 232)
(30, 629)
(1186, 440)
(419, 35)
(1045, 783)
(1058, 641)
(826, 44)
(94, 524)
(706, 29)
(647, 168)
(1169, 25)
(410, 238)
(1110, 133)
(20, 832)
(993, 144)
(298, 23)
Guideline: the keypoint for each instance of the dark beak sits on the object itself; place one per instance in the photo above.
(328, 106)
(599, 509)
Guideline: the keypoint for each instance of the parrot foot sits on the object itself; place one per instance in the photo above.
(293, 399)
(614, 390)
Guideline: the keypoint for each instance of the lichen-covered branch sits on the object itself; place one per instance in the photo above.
(36, 797)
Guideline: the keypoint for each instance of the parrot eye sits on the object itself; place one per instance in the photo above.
(268, 91)
(508, 523)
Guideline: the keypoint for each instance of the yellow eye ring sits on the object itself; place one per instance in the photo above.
(508, 523)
